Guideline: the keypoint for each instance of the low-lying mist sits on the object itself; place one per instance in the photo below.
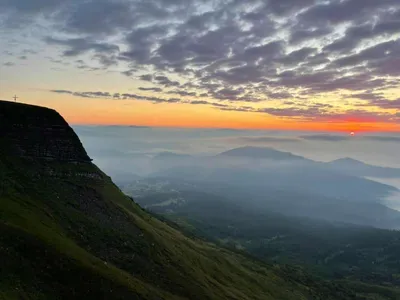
(333, 177)
(131, 148)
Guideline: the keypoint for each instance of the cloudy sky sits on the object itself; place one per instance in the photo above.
(288, 64)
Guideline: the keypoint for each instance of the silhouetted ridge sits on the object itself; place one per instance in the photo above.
(33, 131)
(261, 152)
(347, 160)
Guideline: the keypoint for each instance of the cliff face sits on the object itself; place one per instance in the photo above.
(38, 132)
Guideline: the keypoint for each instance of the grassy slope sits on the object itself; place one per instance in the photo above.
(65, 236)
(351, 253)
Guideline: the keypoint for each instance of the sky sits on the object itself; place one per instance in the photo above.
(278, 64)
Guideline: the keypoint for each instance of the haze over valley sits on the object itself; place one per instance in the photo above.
(326, 201)
(129, 153)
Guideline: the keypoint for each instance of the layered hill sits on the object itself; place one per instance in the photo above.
(67, 232)
(271, 180)
(358, 168)
(261, 153)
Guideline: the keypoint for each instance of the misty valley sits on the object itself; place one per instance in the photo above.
(328, 217)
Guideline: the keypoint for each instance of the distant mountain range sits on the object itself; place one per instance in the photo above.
(348, 166)
(170, 155)
(358, 168)
(293, 185)
(261, 153)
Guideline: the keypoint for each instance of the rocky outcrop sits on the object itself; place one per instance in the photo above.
(38, 132)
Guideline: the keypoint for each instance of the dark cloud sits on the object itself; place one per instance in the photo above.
(279, 95)
(346, 10)
(183, 93)
(165, 81)
(147, 77)
(370, 55)
(298, 56)
(341, 138)
(266, 140)
(368, 96)
(325, 138)
(267, 51)
(117, 96)
(301, 35)
(84, 94)
(79, 46)
(203, 102)
(280, 7)
(30, 6)
(289, 112)
(320, 113)
(152, 89)
(394, 139)
(29, 51)
(356, 34)
(99, 17)
(385, 103)
(199, 102)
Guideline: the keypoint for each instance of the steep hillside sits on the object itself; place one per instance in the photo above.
(67, 232)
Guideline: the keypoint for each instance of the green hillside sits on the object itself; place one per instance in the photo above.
(74, 233)
(67, 232)
(365, 258)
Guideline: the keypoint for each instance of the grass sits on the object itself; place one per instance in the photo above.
(64, 235)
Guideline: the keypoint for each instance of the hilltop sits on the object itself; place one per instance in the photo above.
(261, 153)
(359, 168)
(34, 131)
(67, 232)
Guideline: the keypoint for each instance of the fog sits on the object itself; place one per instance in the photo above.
(294, 173)
(130, 148)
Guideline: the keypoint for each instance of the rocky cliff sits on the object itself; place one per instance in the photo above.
(38, 132)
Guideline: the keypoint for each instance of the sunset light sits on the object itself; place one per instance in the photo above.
(199, 67)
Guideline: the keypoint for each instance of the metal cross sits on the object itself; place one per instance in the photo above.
(15, 98)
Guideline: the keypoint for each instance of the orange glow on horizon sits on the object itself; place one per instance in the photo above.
(142, 113)
(233, 121)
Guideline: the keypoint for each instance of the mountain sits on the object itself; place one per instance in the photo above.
(357, 168)
(170, 155)
(282, 182)
(261, 153)
(67, 232)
